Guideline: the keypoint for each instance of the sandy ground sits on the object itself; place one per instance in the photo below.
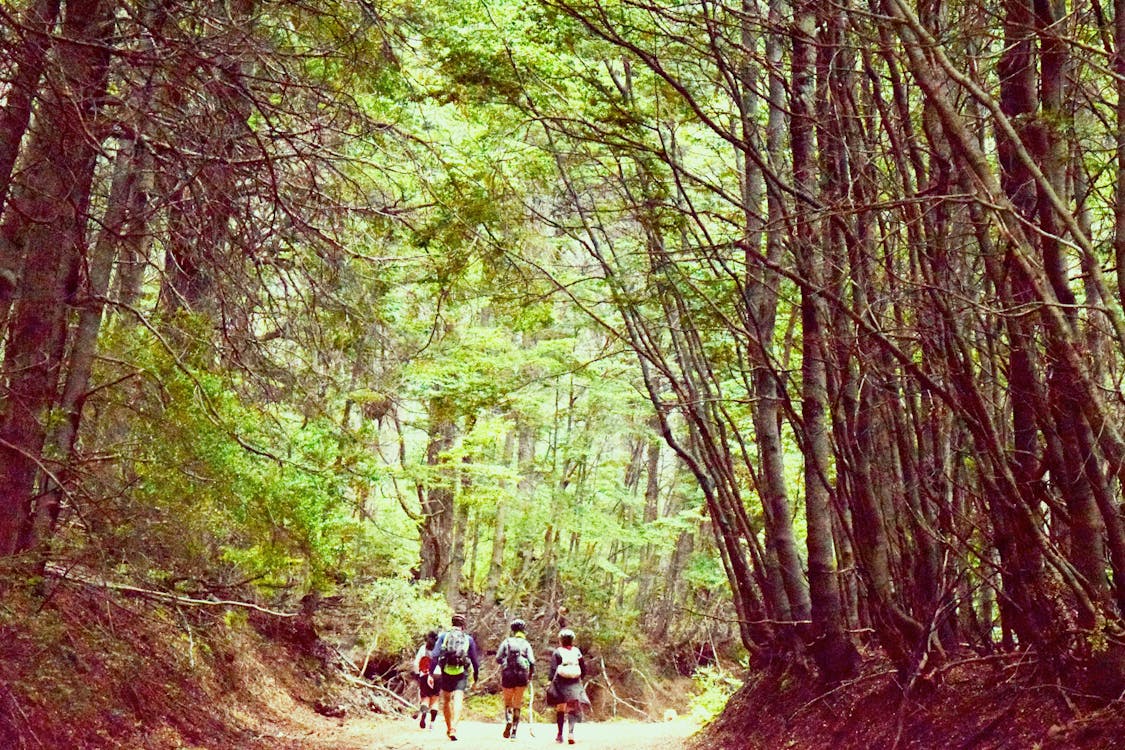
(404, 734)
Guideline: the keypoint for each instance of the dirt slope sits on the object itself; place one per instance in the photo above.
(972, 704)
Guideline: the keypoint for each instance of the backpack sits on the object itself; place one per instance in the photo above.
(516, 663)
(569, 668)
(454, 649)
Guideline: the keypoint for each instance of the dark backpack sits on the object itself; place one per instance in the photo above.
(454, 649)
(516, 662)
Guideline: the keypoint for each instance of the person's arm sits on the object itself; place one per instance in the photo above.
(474, 657)
(418, 659)
(581, 666)
(555, 661)
(502, 652)
(434, 654)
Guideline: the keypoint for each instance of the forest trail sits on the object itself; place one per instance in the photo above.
(404, 734)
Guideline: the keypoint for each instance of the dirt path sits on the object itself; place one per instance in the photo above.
(404, 734)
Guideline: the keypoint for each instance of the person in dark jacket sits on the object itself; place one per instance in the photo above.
(568, 667)
(453, 654)
(517, 666)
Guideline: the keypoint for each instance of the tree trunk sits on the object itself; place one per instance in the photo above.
(648, 563)
(1119, 135)
(36, 24)
(438, 497)
(123, 210)
(760, 297)
(833, 650)
(47, 221)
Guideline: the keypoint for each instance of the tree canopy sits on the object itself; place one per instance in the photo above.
(791, 323)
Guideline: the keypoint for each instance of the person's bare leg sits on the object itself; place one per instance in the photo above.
(457, 699)
(447, 710)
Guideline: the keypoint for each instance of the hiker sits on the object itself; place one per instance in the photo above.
(454, 652)
(517, 665)
(427, 693)
(566, 692)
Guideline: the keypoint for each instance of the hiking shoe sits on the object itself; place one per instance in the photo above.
(570, 741)
(452, 738)
(508, 730)
(558, 738)
(422, 722)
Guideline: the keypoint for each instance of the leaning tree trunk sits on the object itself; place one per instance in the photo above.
(857, 423)
(760, 298)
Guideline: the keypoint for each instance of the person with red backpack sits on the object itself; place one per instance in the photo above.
(517, 665)
(454, 652)
(566, 691)
(427, 693)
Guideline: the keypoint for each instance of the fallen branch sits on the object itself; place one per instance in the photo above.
(617, 699)
(379, 688)
(656, 689)
(163, 596)
(8, 704)
(841, 686)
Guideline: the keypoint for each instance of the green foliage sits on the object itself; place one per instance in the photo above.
(291, 454)
(396, 612)
(225, 490)
(485, 706)
(713, 688)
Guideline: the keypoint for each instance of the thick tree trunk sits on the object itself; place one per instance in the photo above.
(36, 23)
(118, 227)
(834, 652)
(47, 220)
(438, 496)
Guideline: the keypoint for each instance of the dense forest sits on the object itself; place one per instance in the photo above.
(790, 332)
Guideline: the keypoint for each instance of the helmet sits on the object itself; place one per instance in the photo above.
(518, 625)
(566, 635)
(458, 620)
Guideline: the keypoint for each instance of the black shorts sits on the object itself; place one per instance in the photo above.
(424, 688)
(449, 683)
(511, 680)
